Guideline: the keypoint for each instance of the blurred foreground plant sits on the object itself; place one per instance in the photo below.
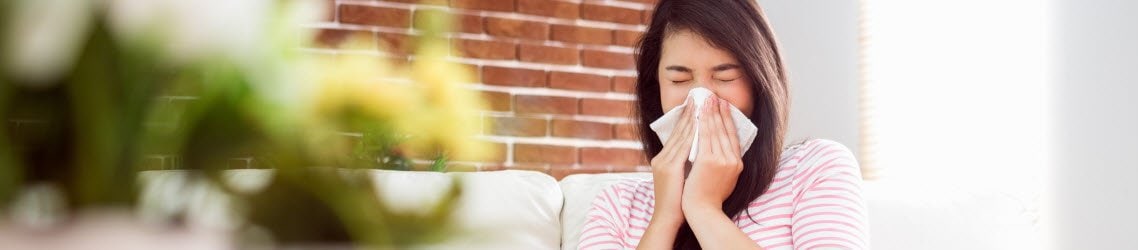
(82, 122)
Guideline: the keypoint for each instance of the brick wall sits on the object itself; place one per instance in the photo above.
(558, 74)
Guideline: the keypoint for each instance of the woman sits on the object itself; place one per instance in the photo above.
(805, 196)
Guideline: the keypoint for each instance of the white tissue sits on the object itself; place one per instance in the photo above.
(664, 126)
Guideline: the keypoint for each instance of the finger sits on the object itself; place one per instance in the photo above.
(687, 134)
(684, 120)
(680, 141)
(720, 137)
(729, 127)
(688, 113)
(721, 123)
(685, 143)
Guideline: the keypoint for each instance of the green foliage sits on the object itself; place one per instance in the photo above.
(89, 130)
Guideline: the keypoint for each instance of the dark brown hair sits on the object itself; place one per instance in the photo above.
(740, 28)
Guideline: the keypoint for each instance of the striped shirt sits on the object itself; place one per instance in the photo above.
(814, 202)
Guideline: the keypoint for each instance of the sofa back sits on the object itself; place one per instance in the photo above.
(515, 209)
(509, 209)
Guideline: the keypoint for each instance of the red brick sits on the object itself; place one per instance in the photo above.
(603, 107)
(533, 153)
(610, 14)
(537, 167)
(516, 126)
(496, 152)
(469, 24)
(605, 59)
(575, 34)
(611, 156)
(494, 75)
(548, 54)
(462, 22)
(558, 9)
(529, 104)
(626, 37)
(420, 17)
(516, 28)
(331, 38)
(578, 81)
(581, 129)
(428, 2)
(646, 16)
(474, 69)
(491, 5)
(625, 131)
(330, 13)
(397, 44)
(485, 49)
(497, 101)
(372, 15)
(624, 84)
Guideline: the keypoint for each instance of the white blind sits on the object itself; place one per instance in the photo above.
(952, 91)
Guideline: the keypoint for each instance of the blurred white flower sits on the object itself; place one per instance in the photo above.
(260, 36)
(44, 37)
(283, 75)
(192, 30)
(131, 19)
(226, 28)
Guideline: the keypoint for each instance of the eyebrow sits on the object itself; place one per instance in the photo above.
(725, 66)
(678, 68)
(721, 67)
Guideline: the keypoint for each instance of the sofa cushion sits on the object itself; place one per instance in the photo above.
(509, 209)
(502, 209)
(579, 190)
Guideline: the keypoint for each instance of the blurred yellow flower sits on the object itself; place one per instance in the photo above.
(451, 111)
(431, 108)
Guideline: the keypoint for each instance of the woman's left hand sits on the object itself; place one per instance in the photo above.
(718, 162)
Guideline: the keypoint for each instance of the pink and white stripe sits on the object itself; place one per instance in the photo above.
(814, 202)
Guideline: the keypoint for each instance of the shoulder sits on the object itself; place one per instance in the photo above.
(817, 158)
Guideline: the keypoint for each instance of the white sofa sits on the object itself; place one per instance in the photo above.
(530, 210)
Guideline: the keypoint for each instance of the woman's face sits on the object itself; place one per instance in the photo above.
(688, 61)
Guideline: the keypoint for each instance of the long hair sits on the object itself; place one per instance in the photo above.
(740, 28)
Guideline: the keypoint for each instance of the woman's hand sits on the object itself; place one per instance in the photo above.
(668, 182)
(718, 162)
(668, 169)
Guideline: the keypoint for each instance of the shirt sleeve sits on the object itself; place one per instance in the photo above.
(606, 221)
(829, 212)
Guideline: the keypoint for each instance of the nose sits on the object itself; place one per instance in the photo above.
(705, 83)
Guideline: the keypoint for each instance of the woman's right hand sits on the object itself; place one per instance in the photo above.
(668, 168)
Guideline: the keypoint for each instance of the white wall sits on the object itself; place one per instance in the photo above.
(1086, 113)
(1093, 178)
(958, 112)
(819, 42)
